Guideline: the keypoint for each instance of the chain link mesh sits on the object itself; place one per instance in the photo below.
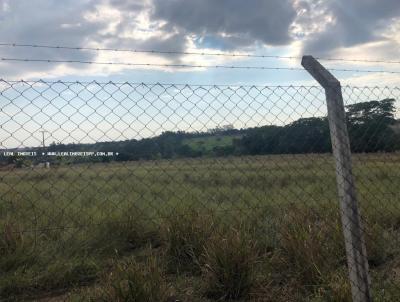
(175, 173)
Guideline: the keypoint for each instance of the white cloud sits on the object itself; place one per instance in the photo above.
(351, 29)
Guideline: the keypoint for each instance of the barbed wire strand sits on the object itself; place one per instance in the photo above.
(199, 53)
(149, 64)
(182, 85)
(191, 65)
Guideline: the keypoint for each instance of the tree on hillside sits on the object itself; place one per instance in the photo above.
(370, 124)
(307, 135)
(259, 140)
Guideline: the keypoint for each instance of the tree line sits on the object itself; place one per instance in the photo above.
(372, 127)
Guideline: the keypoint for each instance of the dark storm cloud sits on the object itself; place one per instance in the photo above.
(238, 24)
(169, 41)
(267, 21)
(128, 5)
(218, 24)
(354, 22)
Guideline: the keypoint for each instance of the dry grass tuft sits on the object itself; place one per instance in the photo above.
(186, 235)
(311, 244)
(134, 281)
(229, 265)
(11, 238)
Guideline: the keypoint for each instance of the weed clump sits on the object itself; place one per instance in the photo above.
(186, 235)
(134, 281)
(229, 265)
(11, 238)
(334, 288)
(311, 245)
(377, 241)
(110, 235)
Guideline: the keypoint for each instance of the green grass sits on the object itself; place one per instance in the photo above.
(208, 143)
(137, 282)
(269, 224)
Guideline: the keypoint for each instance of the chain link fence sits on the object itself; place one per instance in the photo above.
(191, 192)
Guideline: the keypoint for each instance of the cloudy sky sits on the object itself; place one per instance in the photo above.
(354, 29)
(325, 28)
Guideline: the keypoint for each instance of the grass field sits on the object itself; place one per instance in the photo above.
(208, 143)
(261, 228)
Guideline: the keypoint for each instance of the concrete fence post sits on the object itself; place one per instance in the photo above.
(351, 221)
